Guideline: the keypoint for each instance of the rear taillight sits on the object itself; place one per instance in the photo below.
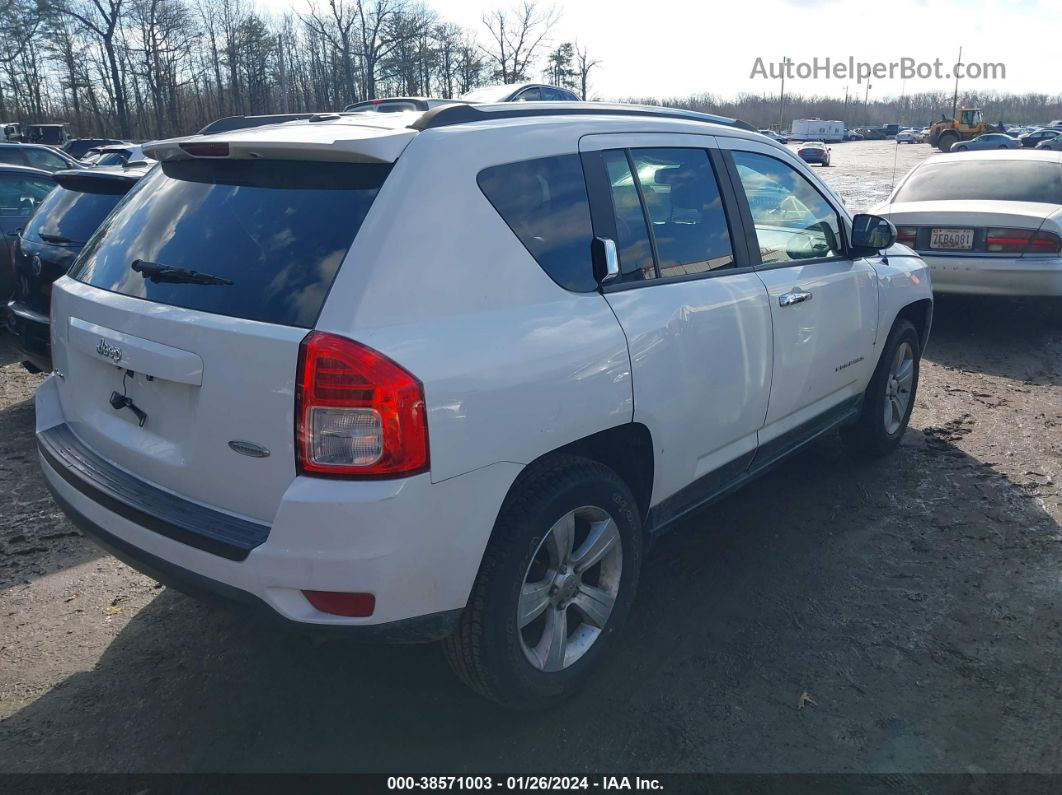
(1022, 241)
(1045, 243)
(1007, 241)
(358, 413)
(908, 235)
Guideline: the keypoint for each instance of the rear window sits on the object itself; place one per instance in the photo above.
(113, 158)
(544, 202)
(273, 233)
(985, 180)
(69, 216)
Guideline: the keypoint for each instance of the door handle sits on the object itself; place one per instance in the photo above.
(794, 296)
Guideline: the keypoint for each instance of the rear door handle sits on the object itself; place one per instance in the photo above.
(794, 296)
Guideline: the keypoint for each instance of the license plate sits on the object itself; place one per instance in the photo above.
(951, 238)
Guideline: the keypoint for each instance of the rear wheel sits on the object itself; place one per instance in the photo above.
(556, 584)
(890, 396)
(946, 141)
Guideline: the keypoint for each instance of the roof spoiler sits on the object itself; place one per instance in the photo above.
(88, 180)
(449, 115)
(230, 123)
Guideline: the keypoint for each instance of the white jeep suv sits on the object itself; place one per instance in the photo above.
(443, 375)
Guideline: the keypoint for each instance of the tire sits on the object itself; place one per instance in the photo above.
(874, 435)
(946, 141)
(490, 652)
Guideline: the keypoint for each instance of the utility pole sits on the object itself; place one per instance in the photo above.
(846, 105)
(955, 98)
(866, 107)
(781, 96)
(283, 74)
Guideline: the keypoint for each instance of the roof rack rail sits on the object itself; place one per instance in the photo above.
(449, 115)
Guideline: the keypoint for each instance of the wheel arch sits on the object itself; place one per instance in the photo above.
(626, 449)
(920, 313)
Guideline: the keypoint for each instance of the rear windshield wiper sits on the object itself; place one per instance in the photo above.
(157, 273)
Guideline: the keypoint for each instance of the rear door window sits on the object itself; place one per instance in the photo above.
(271, 233)
(544, 203)
(20, 196)
(69, 217)
(686, 211)
(632, 234)
(42, 158)
(12, 154)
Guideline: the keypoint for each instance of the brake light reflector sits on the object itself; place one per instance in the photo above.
(357, 605)
(908, 235)
(1045, 243)
(358, 413)
(206, 149)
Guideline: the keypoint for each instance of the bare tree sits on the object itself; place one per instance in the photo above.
(516, 35)
(583, 64)
(102, 19)
(336, 25)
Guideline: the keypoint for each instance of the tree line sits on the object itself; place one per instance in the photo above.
(139, 69)
(767, 111)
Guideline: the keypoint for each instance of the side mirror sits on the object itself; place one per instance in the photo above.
(871, 234)
(606, 259)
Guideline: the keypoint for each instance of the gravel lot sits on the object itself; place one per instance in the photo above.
(900, 616)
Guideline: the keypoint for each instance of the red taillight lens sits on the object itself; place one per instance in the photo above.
(908, 235)
(1009, 241)
(357, 605)
(1045, 243)
(359, 413)
(206, 149)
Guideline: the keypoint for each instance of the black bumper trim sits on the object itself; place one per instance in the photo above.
(143, 504)
(420, 629)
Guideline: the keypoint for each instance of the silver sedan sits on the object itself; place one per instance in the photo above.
(988, 141)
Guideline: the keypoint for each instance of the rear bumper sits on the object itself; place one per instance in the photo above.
(1014, 276)
(415, 545)
(31, 334)
(420, 629)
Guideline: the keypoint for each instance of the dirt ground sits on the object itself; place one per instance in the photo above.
(902, 616)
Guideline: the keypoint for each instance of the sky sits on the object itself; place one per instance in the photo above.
(664, 48)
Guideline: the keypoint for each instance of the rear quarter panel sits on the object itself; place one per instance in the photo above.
(513, 365)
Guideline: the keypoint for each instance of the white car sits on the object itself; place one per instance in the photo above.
(776, 137)
(909, 137)
(441, 375)
(987, 222)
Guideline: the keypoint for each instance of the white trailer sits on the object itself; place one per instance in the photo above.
(817, 130)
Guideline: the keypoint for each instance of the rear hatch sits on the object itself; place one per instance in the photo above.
(192, 301)
(63, 223)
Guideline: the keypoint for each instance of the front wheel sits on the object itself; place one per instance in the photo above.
(555, 586)
(890, 396)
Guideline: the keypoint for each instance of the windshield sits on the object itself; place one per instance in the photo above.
(985, 180)
(489, 94)
(273, 233)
